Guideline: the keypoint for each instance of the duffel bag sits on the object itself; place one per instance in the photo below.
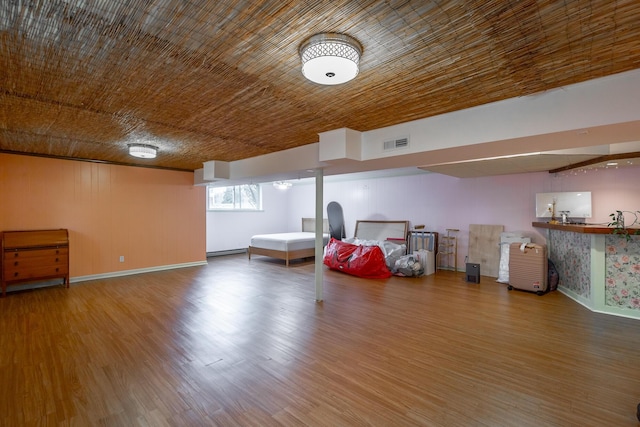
(357, 260)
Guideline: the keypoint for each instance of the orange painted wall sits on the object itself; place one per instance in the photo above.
(152, 217)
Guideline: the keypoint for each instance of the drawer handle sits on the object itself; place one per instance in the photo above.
(57, 259)
(57, 269)
(15, 274)
(15, 263)
(15, 255)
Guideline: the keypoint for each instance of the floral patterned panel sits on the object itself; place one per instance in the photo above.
(571, 255)
(622, 280)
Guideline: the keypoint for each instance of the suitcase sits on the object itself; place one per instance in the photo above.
(528, 267)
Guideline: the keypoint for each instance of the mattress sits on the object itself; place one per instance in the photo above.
(286, 241)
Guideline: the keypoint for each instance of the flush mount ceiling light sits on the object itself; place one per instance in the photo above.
(143, 151)
(282, 185)
(330, 58)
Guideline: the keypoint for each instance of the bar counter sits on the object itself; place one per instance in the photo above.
(580, 228)
(598, 266)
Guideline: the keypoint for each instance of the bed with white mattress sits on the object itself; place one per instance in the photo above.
(288, 246)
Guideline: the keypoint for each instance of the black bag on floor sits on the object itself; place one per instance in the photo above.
(554, 277)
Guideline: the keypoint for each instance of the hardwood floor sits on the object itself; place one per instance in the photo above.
(243, 343)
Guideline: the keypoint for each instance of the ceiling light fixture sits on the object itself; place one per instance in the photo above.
(282, 185)
(330, 58)
(143, 151)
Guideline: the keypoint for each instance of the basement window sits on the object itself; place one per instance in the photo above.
(235, 198)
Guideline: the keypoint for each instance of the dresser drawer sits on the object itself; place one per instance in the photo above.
(14, 273)
(35, 261)
(11, 255)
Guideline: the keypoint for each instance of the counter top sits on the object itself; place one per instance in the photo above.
(576, 228)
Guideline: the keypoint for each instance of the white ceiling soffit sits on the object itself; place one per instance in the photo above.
(372, 174)
(535, 162)
(508, 165)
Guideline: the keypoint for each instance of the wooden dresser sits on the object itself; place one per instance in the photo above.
(34, 255)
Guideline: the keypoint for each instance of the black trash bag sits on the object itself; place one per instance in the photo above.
(553, 277)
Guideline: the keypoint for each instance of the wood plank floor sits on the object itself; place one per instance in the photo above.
(243, 343)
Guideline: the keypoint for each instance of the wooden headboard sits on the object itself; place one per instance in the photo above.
(309, 224)
(394, 231)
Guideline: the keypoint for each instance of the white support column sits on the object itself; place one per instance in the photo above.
(319, 233)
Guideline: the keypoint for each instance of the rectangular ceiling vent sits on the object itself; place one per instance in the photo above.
(396, 144)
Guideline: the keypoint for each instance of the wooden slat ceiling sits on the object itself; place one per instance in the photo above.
(221, 80)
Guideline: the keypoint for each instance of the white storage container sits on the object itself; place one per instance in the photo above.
(506, 238)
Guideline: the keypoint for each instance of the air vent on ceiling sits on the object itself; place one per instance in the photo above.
(396, 144)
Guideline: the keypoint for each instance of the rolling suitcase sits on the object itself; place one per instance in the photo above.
(528, 267)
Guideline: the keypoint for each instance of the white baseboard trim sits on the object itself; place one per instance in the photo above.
(576, 297)
(136, 271)
(620, 312)
(631, 314)
(227, 252)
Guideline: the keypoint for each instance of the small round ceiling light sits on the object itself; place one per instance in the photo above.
(282, 185)
(330, 58)
(143, 151)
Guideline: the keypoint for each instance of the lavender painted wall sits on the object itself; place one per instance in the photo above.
(438, 201)
(441, 202)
